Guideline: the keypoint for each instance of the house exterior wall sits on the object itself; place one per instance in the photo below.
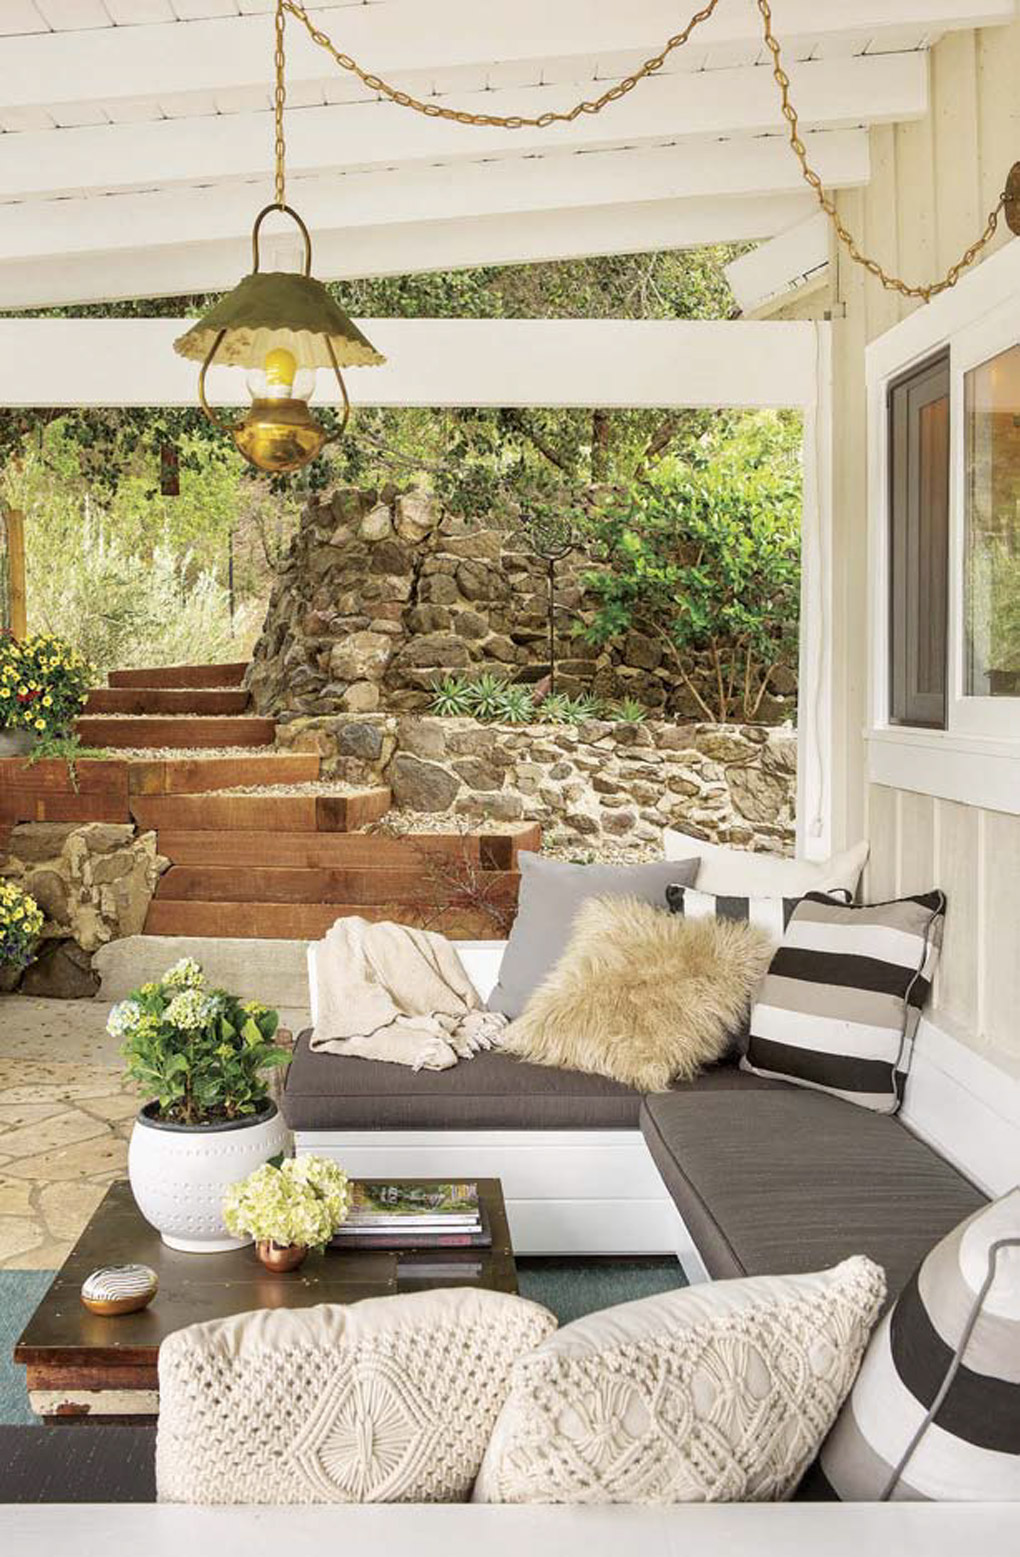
(932, 184)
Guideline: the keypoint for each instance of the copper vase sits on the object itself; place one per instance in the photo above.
(280, 1258)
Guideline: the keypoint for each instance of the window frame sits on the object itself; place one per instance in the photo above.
(975, 759)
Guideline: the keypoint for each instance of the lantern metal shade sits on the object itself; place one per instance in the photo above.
(278, 308)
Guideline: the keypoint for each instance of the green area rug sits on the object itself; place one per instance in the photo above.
(574, 1287)
(20, 1291)
(569, 1287)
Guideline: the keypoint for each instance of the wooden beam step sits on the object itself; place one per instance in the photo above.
(261, 813)
(304, 921)
(167, 700)
(225, 884)
(53, 775)
(356, 851)
(181, 676)
(170, 733)
(196, 775)
(37, 806)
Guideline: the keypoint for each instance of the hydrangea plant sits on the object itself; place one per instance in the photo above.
(21, 922)
(302, 1201)
(200, 1053)
(43, 685)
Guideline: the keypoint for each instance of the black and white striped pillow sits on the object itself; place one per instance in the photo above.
(843, 996)
(935, 1410)
(771, 914)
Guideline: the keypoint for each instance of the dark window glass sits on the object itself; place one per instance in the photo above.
(919, 544)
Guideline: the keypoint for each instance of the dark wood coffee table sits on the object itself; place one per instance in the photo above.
(82, 1366)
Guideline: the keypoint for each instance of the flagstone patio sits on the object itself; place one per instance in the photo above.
(64, 1125)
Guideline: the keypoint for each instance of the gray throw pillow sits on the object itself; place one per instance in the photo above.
(551, 893)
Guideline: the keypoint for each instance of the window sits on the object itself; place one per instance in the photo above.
(992, 527)
(944, 544)
(918, 408)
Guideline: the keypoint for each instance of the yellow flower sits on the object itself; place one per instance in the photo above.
(40, 724)
(47, 702)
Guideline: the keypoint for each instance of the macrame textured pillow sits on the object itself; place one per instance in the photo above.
(642, 996)
(389, 1400)
(722, 1392)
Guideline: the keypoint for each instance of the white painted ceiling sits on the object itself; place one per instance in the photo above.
(136, 135)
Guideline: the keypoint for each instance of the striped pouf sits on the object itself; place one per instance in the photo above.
(840, 1005)
(935, 1411)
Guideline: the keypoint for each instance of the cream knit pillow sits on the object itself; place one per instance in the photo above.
(722, 1392)
(389, 1400)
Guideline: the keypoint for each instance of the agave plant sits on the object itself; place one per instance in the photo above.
(581, 709)
(485, 695)
(628, 711)
(451, 698)
(516, 704)
(555, 709)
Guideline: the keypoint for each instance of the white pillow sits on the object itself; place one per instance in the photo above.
(721, 1392)
(390, 1400)
(739, 873)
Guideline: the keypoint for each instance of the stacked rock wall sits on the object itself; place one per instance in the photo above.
(379, 596)
(596, 787)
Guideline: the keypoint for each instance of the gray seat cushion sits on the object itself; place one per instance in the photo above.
(788, 1180)
(492, 1091)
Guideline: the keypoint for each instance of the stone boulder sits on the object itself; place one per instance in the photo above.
(94, 881)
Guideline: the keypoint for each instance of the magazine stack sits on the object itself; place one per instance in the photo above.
(413, 1215)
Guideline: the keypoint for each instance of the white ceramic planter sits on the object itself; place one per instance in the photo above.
(179, 1174)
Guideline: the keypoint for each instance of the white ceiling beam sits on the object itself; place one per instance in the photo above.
(523, 238)
(455, 362)
(762, 165)
(780, 263)
(834, 94)
(225, 54)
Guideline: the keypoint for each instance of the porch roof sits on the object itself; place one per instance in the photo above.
(136, 135)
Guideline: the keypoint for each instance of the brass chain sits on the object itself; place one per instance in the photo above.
(924, 291)
(499, 121)
(279, 102)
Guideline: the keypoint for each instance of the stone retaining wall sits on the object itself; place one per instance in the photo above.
(599, 785)
(380, 596)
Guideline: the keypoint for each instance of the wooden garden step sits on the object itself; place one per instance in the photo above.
(375, 851)
(167, 700)
(181, 676)
(169, 733)
(195, 775)
(323, 884)
(50, 791)
(261, 813)
(304, 921)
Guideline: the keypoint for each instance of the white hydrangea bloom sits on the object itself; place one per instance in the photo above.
(186, 974)
(189, 1010)
(122, 1018)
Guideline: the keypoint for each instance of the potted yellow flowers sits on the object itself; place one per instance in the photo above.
(21, 922)
(43, 688)
(288, 1208)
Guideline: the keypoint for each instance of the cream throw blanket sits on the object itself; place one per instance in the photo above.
(390, 992)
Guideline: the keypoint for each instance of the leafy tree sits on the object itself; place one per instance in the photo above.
(706, 558)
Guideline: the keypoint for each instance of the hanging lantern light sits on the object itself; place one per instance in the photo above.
(281, 326)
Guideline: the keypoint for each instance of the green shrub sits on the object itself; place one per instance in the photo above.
(705, 558)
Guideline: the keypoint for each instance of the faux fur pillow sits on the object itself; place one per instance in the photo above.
(642, 996)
